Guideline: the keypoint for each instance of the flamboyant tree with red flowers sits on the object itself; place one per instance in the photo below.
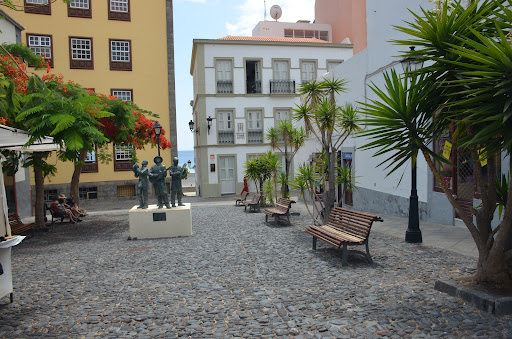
(117, 122)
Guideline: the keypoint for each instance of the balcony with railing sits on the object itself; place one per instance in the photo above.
(224, 86)
(226, 137)
(253, 87)
(254, 136)
(282, 86)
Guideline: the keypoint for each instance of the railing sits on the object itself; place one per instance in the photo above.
(253, 87)
(226, 137)
(224, 86)
(282, 86)
(255, 136)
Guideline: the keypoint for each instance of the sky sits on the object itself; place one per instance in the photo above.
(213, 19)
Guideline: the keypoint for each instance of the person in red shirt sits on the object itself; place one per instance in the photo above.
(246, 187)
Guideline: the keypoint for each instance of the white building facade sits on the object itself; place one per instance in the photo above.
(242, 87)
(376, 192)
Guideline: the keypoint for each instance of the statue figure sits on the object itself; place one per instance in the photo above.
(157, 175)
(142, 187)
(177, 173)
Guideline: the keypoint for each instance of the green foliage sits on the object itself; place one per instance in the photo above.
(36, 162)
(268, 189)
(502, 188)
(25, 54)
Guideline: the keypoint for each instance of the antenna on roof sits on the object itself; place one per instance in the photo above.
(265, 8)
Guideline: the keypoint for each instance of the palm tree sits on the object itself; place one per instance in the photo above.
(331, 125)
(288, 140)
(467, 84)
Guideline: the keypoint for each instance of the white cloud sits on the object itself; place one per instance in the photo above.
(252, 11)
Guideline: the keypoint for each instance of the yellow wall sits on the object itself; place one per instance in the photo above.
(148, 78)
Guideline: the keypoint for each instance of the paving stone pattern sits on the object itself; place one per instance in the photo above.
(236, 277)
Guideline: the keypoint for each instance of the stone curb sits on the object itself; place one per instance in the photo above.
(495, 304)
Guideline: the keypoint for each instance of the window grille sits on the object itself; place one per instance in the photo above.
(123, 95)
(83, 4)
(126, 191)
(80, 49)
(124, 152)
(41, 45)
(119, 6)
(120, 50)
(37, 2)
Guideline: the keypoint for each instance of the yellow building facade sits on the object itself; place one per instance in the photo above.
(116, 47)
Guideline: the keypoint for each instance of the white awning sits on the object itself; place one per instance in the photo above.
(15, 139)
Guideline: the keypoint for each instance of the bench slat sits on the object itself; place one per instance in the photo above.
(345, 227)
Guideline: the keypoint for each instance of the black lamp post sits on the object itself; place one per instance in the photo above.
(158, 130)
(191, 125)
(413, 233)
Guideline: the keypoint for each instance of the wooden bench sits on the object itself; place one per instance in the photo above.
(280, 209)
(345, 227)
(18, 227)
(239, 200)
(254, 203)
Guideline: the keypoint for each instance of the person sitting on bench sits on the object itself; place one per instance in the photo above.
(59, 210)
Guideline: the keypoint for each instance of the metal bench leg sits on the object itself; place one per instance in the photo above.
(344, 260)
(368, 256)
(314, 243)
(266, 217)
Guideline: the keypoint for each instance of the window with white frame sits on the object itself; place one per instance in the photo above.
(81, 53)
(120, 55)
(124, 152)
(282, 114)
(331, 65)
(38, 6)
(90, 163)
(119, 10)
(123, 94)
(254, 126)
(80, 9)
(224, 70)
(225, 127)
(41, 45)
(84, 4)
(281, 82)
(123, 157)
(308, 71)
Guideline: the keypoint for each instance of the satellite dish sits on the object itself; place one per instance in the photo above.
(275, 12)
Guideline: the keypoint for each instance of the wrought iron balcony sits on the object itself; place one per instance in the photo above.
(254, 136)
(224, 86)
(282, 86)
(253, 87)
(226, 137)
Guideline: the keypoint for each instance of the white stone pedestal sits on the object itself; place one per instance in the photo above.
(160, 223)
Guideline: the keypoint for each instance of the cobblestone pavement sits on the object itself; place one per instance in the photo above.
(235, 277)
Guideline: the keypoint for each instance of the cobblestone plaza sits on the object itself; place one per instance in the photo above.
(235, 277)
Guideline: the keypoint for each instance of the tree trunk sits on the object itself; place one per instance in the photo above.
(329, 195)
(39, 203)
(75, 179)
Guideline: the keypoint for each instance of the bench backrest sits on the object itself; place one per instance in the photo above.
(14, 220)
(351, 221)
(283, 204)
(256, 198)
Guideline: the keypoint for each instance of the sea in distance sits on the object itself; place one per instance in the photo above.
(184, 157)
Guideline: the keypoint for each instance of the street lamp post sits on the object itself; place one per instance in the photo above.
(158, 130)
(413, 233)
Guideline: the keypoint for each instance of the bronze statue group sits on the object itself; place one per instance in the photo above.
(156, 175)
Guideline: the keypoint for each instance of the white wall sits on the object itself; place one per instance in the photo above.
(366, 68)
